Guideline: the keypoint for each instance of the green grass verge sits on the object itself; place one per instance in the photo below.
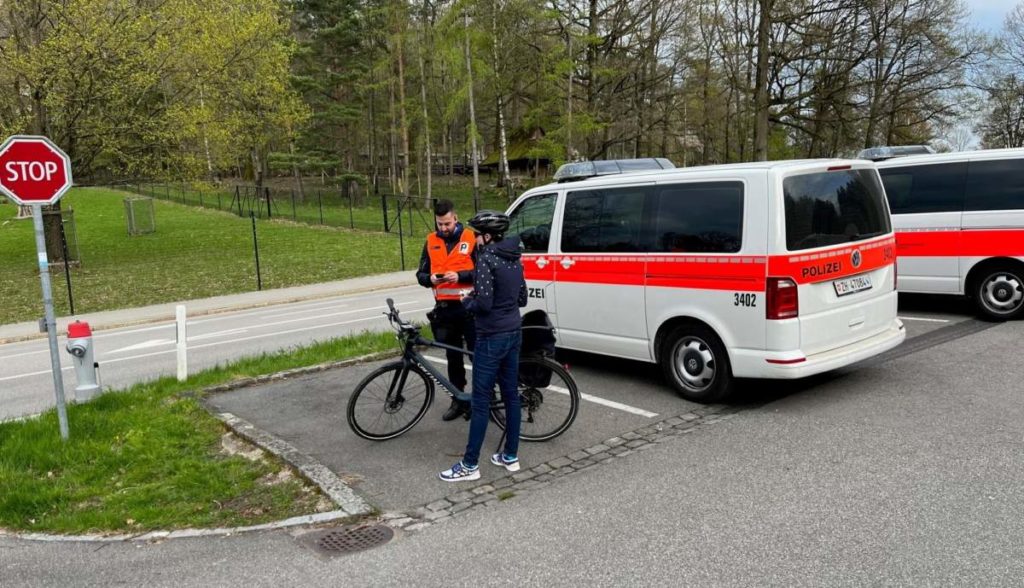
(194, 253)
(151, 458)
(326, 206)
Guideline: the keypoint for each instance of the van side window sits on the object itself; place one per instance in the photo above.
(608, 220)
(995, 185)
(925, 188)
(703, 218)
(531, 220)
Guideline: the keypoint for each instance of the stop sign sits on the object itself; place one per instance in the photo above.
(33, 170)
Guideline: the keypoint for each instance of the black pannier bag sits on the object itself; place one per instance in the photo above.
(538, 339)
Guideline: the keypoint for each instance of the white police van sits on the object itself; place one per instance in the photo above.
(959, 220)
(755, 270)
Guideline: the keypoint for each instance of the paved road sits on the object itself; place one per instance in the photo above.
(905, 472)
(130, 355)
(141, 353)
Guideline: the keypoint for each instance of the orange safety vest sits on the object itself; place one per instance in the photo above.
(442, 261)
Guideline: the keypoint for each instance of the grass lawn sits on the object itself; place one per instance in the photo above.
(152, 458)
(194, 253)
(326, 205)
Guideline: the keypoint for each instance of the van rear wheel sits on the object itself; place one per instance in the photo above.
(999, 293)
(695, 362)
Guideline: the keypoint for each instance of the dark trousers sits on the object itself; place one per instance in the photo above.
(496, 361)
(452, 325)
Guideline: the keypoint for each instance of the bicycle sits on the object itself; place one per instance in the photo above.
(392, 399)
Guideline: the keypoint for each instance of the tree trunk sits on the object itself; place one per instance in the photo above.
(472, 118)
(295, 171)
(426, 113)
(592, 38)
(504, 178)
(405, 159)
(206, 139)
(568, 99)
(392, 140)
(764, 27)
(373, 136)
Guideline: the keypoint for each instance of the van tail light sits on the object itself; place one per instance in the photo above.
(783, 302)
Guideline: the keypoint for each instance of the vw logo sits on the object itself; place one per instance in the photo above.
(692, 365)
(855, 259)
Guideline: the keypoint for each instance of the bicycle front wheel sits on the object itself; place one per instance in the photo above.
(389, 401)
(548, 397)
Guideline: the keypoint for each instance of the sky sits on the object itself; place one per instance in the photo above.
(989, 14)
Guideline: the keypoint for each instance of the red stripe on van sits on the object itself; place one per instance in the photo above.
(738, 273)
(835, 263)
(956, 243)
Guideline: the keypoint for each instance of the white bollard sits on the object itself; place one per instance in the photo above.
(182, 347)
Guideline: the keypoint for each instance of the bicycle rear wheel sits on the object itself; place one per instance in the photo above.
(548, 397)
(389, 401)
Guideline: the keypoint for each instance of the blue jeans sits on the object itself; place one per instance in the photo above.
(495, 360)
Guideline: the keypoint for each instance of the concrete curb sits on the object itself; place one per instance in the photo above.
(324, 517)
(351, 504)
(330, 484)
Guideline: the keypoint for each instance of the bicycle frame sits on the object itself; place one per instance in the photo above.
(410, 356)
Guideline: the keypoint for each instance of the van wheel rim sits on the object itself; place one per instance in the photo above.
(1002, 293)
(694, 364)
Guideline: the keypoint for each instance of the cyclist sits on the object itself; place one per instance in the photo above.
(499, 291)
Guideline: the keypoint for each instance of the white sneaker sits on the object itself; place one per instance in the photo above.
(509, 463)
(459, 473)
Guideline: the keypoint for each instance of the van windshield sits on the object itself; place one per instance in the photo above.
(834, 207)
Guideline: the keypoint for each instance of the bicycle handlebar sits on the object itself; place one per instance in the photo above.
(394, 317)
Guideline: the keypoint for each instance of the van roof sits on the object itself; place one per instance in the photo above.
(951, 157)
(683, 172)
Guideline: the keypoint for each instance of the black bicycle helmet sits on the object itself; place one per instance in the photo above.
(490, 222)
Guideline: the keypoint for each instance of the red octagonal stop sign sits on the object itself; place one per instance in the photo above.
(33, 170)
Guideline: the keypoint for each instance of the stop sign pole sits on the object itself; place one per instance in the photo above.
(35, 172)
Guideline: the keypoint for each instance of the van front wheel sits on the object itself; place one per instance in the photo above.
(696, 363)
(999, 294)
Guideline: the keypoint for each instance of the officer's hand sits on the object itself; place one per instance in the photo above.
(451, 277)
(436, 280)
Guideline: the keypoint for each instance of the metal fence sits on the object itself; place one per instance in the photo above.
(336, 207)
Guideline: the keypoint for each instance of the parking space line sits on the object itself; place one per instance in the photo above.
(922, 319)
(587, 397)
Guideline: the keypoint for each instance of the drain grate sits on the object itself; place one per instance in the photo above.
(351, 539)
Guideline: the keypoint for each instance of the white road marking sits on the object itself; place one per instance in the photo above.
(30, 374)
(216, 334)
(144, 345)
(587, 397)
(922, 319)
(5, 357)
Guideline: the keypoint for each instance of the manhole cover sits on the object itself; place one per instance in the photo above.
(350, 539)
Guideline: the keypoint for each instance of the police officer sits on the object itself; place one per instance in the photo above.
(446, 265)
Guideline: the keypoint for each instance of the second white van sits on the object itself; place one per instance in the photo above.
(959, 221)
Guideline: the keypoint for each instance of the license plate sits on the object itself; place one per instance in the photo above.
(851, 285)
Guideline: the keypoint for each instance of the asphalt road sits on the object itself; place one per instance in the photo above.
(130, 355)
(899, 472)
(134, 354)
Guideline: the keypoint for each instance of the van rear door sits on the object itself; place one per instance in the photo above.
(840, 253)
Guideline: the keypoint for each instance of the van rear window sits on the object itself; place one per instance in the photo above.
(830, 208)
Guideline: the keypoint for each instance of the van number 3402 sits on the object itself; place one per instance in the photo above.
(749, 300)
